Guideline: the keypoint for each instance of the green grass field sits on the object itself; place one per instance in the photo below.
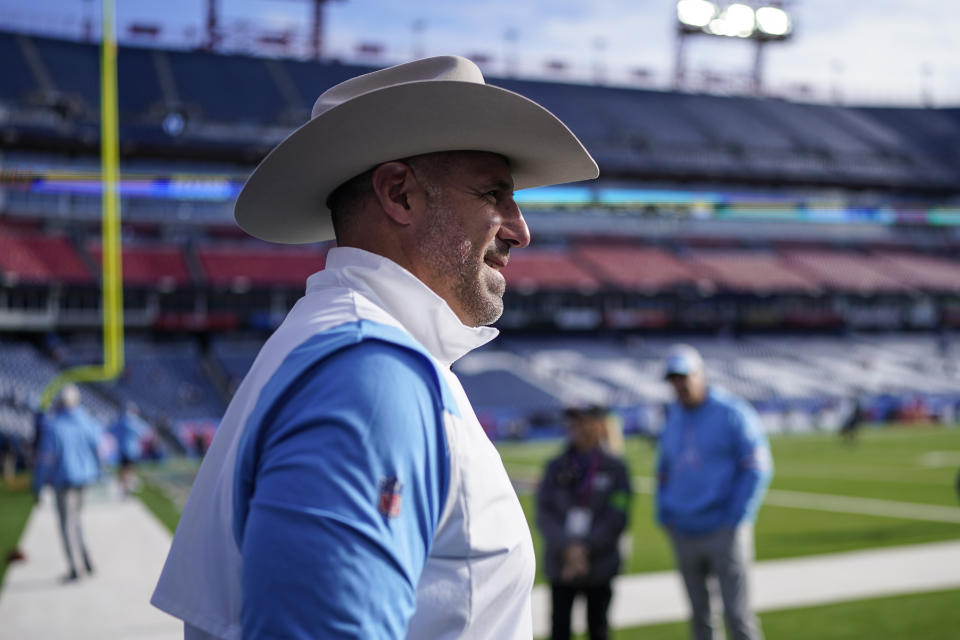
(16, 502)
(912, 465)
(926, 616)
(903, 465)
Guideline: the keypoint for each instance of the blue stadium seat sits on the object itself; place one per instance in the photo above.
(18, 85)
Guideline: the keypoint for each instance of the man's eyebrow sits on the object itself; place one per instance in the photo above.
(501, 184)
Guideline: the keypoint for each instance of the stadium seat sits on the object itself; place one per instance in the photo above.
(547, 269)
(241, 265)
(150, 266)
(41, 258)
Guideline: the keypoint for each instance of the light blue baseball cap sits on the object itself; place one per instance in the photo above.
(682, 361)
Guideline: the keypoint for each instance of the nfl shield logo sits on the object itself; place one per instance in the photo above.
(389, 502)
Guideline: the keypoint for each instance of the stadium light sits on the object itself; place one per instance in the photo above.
(756, 20)
(773, 21)
(736, 21)
(762, 21)
(696, 13)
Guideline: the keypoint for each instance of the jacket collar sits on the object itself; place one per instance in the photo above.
(424, 314)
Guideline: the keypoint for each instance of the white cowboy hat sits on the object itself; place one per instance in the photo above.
(436, 104)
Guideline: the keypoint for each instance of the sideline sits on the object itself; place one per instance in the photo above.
(798, 500)
(843, 504)
(653, 598)
(127, 546)
(865, 506)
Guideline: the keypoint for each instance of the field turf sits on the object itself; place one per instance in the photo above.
(16, 502)
(916, 465)
(930, 616)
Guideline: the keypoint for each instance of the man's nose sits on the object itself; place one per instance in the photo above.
(514, 230)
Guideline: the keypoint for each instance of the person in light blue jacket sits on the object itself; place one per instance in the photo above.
(129, 432)
(68, 460)
(713, 470)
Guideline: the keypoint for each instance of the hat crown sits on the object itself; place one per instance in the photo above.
(449, 68)
(683, 359)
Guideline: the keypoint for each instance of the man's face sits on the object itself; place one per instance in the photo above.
(471, 223)
(691, 389)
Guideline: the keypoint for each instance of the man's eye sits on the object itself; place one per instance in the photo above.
(495, 195)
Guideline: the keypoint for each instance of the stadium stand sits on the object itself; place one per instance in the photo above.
(749, 271)
(235, 354)
(225, 89)
(640, 133)
(922, 272)
(629, 372)
(25, 372)
(64, 70)
(18, 82)
(142, 93)
(637, 268)
(166, 378)
(41, 258)
(845, 271)
(773, 235)
(258, 266)
(150, 266)
(545, 269)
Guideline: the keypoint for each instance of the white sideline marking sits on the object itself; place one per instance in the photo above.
(838, 504)
(937, 459)
(844, 504)
(866, 506)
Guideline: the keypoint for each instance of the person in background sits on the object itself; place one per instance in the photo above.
(582, 509)
(129, 431)
(852, 423)
(68, 460)
(713, 470)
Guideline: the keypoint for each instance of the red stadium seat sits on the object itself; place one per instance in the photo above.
(541, 269)
(240, 265)
(750, 271)
(41, 258)
(150, 266)
(924, 272)
(846, 271)
(637, 269)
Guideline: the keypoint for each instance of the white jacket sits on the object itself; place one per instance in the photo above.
(478, 576)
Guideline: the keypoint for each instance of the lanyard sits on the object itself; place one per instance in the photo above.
(584, 488)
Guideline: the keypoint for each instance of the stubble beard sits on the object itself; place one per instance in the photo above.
(478, 289)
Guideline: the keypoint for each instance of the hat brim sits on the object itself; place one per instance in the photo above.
(284, 200)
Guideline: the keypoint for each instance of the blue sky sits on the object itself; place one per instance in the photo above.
(854, 51)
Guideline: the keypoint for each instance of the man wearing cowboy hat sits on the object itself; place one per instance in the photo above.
(350, 490)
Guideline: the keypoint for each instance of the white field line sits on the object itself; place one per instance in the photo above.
(838, 504)
(888, 476)
(938, 459)
(844, 504)
(865, 506)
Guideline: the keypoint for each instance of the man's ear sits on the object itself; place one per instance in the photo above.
(394, 184)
